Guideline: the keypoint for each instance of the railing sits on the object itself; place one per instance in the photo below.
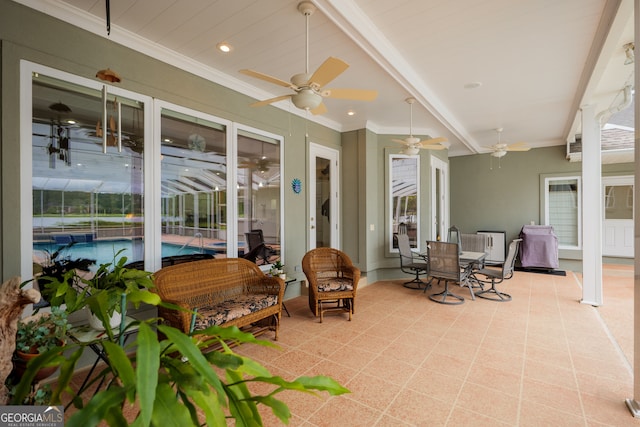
(195, 236)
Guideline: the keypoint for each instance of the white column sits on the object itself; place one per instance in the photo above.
(591, 208)
(633, 404)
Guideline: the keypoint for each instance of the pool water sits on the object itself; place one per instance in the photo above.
(104, 251)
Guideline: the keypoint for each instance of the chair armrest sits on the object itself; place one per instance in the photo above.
(269, 285)
(180, 319)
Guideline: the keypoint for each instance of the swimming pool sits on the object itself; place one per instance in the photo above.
(104, 251)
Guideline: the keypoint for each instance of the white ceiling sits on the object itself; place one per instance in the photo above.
(537, 61)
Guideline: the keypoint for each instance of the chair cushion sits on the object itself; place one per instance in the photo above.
(333, 284)
(229, 310)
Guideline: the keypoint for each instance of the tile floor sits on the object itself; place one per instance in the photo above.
(542, 359)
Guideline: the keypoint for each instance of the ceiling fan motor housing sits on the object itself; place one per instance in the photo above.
(306, 99)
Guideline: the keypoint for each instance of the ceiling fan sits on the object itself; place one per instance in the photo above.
(260, 164)
(500, 149)
(413, 144)
(309, 90)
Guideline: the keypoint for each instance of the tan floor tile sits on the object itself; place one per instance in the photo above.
(448, 365)
(489, 402)
(419, 409)
(372, 391)
(340, 410)
(393, 370)
(502, 360)
(549, 374)
(505, 382)
(465, 418)
(560, 398)
(429, 382)
(535, 415)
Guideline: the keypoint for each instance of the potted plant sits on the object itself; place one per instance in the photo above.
(277, 270)
(53, 269)
(37, 335)
(112, 285)
(103, 292)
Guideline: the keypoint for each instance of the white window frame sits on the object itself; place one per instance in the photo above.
(545, 217)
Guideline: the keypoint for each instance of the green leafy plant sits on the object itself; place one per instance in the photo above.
(103, 292)
(172, 382)
(42, 332)
(276, 268)
(56, 267)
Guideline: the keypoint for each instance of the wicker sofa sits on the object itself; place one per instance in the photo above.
(225, 292)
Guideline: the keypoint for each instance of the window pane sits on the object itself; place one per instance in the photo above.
(618, 202)
(404, 198)
(194, 176)
(80, 194)
(563, 210)
(259, 194)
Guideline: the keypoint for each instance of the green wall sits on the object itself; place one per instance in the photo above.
(505, 195)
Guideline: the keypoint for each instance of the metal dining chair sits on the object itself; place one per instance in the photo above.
(444, 265)
(411, 263)
(495, 276)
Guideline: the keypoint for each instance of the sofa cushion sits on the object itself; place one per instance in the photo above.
(334, 284)
(229, 310)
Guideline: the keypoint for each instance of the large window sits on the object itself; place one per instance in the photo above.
(109, 170)
(87, 172)
(563, 209)
(193, 184)
(404, 201)
(259, 192)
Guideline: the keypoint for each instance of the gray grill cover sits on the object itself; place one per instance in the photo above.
(539, 246)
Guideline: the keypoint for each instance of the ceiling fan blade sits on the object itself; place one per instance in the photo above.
(435, 146)
(320, 109)
(355, 94)
(267, 78)
(270, 101)
(329, 70)
(400, 141)
(517, 148)
(433, 141)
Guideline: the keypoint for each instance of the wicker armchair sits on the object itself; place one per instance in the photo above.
(333, 279)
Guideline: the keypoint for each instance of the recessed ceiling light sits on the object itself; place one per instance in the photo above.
(473, 85)
(71, 122)
(224, 47)
(167, 140)
(351, 113)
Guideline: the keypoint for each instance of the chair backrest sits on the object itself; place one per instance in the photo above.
(406, 256)
(510, 261)
(473, 242)
(254, 238)
(402, 228)
(444, 260)
(325, 262)
(454, 237)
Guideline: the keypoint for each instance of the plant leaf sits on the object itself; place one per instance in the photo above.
(167, 410)
(187, 348)
(147, 364)
(104, 401)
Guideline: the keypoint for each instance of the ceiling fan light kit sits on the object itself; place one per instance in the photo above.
(500, 148)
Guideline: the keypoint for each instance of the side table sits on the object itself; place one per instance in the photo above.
(286, 285)
(85, 334)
